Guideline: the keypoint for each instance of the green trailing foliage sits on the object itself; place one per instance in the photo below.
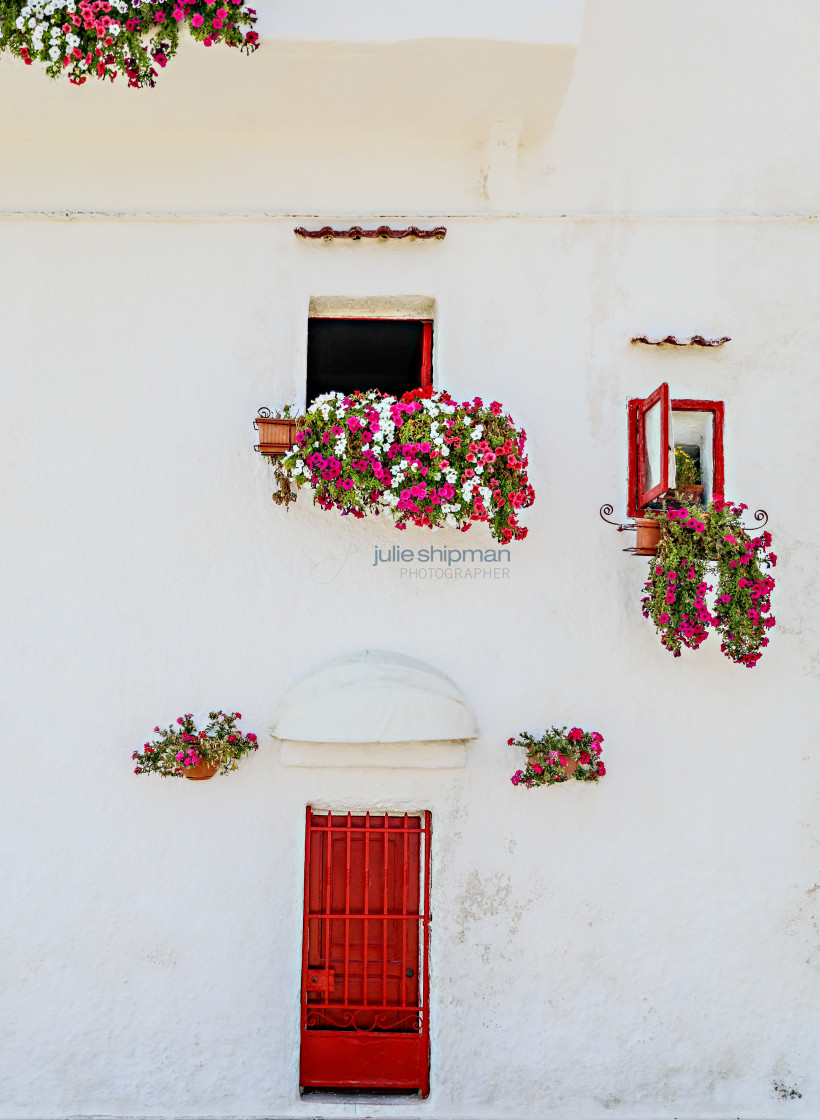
(692, 542)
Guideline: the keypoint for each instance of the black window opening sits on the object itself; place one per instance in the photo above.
(392, 355)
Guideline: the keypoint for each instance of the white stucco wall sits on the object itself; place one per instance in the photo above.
(643, 948)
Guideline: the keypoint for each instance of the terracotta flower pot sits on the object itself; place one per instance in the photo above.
(201, 772)
(276, 436)
(571, 767)
(648, 536)
(690, 495)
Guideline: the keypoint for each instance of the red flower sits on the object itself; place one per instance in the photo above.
(584, 758)
(575, 733)
(601, 768)
(510, 742)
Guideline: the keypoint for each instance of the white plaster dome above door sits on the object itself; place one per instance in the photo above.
(374, 708)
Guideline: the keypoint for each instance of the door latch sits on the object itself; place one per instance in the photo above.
(321, 980)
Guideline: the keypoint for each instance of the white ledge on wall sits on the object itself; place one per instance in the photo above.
(374, 708)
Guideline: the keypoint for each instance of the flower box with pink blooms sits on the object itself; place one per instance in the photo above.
(181, 751)
(422, 459)
(81, 39)
(559, 755)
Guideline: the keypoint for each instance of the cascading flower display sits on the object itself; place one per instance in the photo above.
(677, 587)
(422, 459)
(81, 39)
(181, 746)
(558, 756)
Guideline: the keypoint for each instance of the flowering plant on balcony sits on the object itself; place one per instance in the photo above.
(675, 599)
(559, 755)
(182, 747)
(81, 39)
(422, 458)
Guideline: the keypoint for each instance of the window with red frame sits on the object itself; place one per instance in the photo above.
(346, 354)
(658, 424)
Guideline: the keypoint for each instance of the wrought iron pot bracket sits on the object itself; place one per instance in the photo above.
(606, 511)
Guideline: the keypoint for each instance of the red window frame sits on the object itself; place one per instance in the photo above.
(685, 404)
(365, 953)
(659, 397)
(426, 338)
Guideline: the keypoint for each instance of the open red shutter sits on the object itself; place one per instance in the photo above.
(654, 433)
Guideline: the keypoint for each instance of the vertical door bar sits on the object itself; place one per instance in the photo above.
(366, 895)
(306, 932)
(384, 919)
(347, 911)
(424, 998)
(329, 880)
(404, 919)
(424, 1002)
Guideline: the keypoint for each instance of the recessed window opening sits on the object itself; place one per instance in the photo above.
(692, 433)
(392, 355)
(369, 342)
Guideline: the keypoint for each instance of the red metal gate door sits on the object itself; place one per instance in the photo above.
(364, 954)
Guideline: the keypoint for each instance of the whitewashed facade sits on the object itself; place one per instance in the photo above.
(645, 947)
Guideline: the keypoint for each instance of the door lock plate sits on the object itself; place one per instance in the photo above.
(320, 980)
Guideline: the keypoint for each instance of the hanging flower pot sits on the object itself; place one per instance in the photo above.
(202, 771)
(648, 536)
(570, 767)
(277, 434)
(181, 751)
(559, 755)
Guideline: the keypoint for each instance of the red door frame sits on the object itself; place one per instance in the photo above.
(426, 381)
(717, 409)
(365, 1044)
